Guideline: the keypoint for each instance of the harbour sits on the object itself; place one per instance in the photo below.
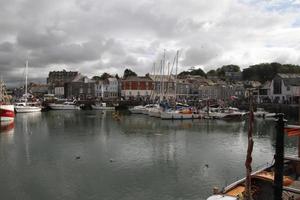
(89, 154)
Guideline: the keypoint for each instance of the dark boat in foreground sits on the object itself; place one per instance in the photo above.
(280, 180)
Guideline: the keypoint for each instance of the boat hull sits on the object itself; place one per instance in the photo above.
(27, 109)
(178, 116)
(7, 113)
(95, 107)
(63, 107)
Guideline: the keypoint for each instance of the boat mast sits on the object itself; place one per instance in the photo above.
(176, 69)
(163, 73)
(26, 74)
(1, 91)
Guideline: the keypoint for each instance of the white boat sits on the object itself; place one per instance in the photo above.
(26, 107)
(186, 113)
(102, 106)
(136, 109)
(155, 111)
(145, 110)
(64, 106)
(226, 113)
(7, 112)
(260, 112)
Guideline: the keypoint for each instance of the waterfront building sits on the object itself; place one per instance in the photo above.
(285, 88)
(107, 89)
(38, 90)
(81, 88)
(137, 87)
(164, 86)
(57, 79)
(264, 93)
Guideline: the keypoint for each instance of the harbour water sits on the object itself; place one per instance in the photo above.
(91, 155)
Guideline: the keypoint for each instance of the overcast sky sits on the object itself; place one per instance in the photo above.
(94, 36)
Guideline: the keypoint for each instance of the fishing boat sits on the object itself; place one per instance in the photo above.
(7, 113)
(24, 106)
(67, 105)
(102, 106)
(280, 180)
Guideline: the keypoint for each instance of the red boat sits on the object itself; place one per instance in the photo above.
(7, 112)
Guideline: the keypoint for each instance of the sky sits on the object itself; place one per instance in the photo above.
(96, 36)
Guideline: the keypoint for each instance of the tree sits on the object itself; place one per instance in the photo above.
(211, 73)
(192, 71)
(105, 76)
(96, 78)
(266, 71)
(128, 73)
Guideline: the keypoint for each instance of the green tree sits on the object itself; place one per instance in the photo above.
(192, 71)
(266, 71)
(105, 76)
(211, 73)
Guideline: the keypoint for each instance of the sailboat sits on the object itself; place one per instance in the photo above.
(7, 113)
(26, 107)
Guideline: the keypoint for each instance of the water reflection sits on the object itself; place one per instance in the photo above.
(7, 131)
(128, 157)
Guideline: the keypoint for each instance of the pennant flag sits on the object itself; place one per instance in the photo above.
(292, 130)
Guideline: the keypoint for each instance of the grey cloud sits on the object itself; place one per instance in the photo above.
(201, 55)
(95, 35)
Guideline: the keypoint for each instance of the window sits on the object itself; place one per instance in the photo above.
(277, 86)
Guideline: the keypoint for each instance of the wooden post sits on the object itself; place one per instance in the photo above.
(248, 161)
(299, 122)
(279, 156)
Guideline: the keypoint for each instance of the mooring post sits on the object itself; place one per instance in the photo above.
(279, 157)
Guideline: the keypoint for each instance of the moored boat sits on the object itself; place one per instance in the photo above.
(67, 105)
(182, 113)
(136, 109)
(6, 108)
(26, 107)
(260, 112)
(7, 112)
(102, 106)
(280, 180)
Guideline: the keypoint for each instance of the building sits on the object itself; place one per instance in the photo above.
(137, 87)
(285, 88)
(81, 88)
(38, 90)
(164, 86)
(108, 89)
(57, 79)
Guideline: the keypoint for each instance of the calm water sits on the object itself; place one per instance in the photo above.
(90, 155)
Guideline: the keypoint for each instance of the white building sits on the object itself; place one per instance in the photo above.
(285, 88)
(107, 89)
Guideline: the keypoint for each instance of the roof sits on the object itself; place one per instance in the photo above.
(138, 78)
(290, 79)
